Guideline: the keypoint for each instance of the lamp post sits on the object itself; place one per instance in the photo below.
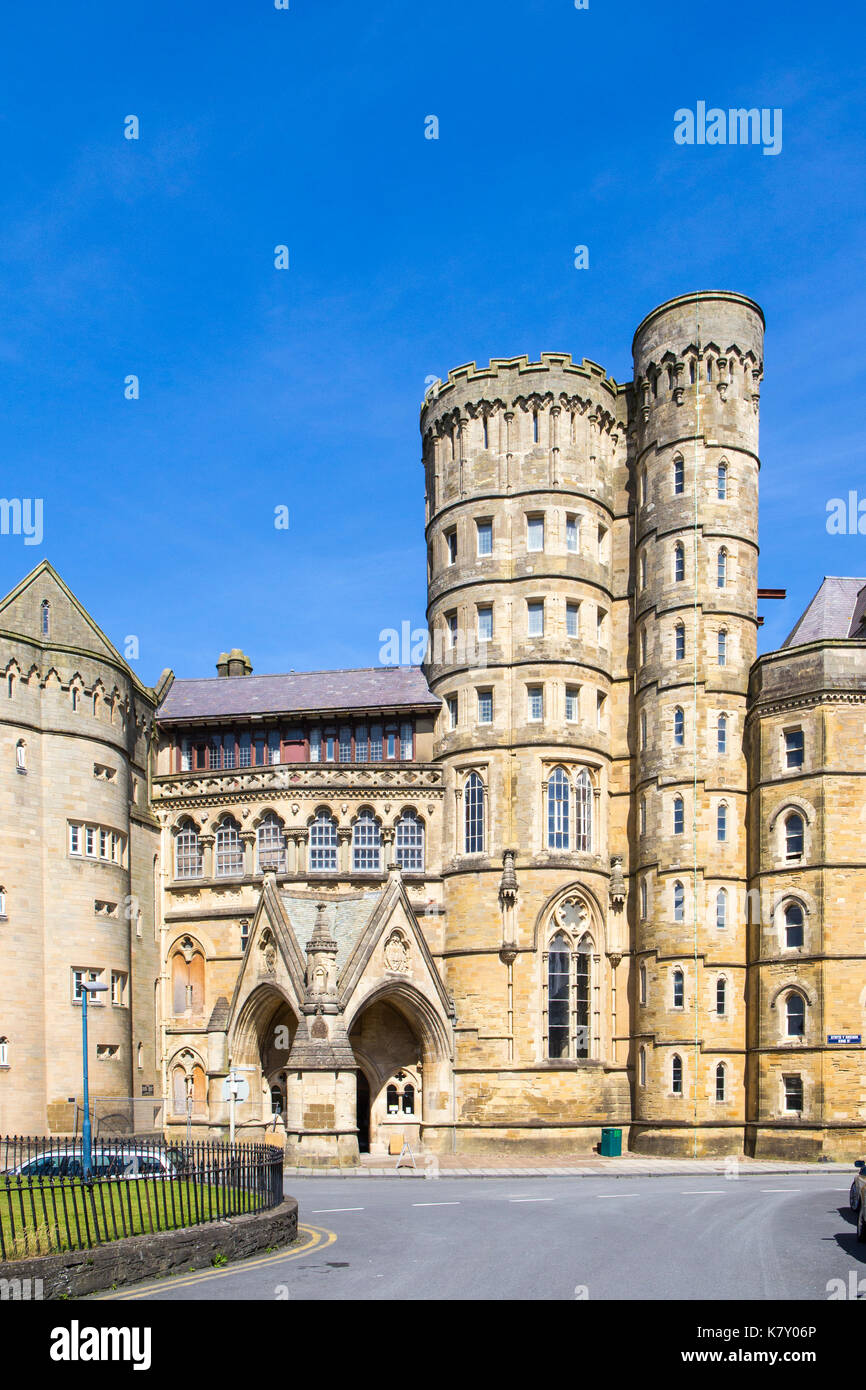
(87, 987)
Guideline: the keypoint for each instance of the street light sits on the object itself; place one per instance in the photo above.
(87, 987)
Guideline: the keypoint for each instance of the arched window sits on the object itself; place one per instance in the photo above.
(680, 642)
(582, 967)
(722, 647)
(409, 843)
(679, 988)
(722, 822)
(721, 995)
(271, 845)
(187, 981)
(643, 729)
(693, 371)
(583, 812)
(323, 844)
(229, 850)
(644, 900)
(2, 902)
(722, 733)
(366, 844)
(721, 909)
(10, 685)
(722, 569)
(74, 693)
(408, 1099)
(178, 1090)
(679, 815)
(558, 990)
(188, 854)
(679, 902)
(793, 925)
(679, 727)
(643, 566)
(677, 1074)
(643, 815)
(392, 1100)
(21, 755)
(46, 617)
(794, 836)
(642, 984)
(642, 1067)
(679, 476)
(679, 562)
(558, 809)
(795, 1015)
(722, 482)
(473, 814)
(721, 1090)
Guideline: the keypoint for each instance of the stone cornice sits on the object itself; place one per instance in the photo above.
(283, 782)
(806, 701)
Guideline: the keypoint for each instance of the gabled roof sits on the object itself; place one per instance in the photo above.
(836, 611)
(304, 692)
(20, 613)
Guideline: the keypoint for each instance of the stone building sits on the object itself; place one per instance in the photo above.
(596, 864)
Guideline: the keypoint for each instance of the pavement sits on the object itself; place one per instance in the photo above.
(580, 1166)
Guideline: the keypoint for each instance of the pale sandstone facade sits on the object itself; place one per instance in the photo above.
(598, 772)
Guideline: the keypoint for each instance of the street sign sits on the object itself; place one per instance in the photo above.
(843, 1037)
(241, 1087)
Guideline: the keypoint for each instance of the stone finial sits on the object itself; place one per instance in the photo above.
(617, 881)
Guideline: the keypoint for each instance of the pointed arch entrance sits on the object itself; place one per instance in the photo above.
(402, 1048)
(259, 1047)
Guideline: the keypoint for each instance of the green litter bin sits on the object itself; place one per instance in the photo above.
(611, 1143)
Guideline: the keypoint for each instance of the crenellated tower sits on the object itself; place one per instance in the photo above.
(697, 371)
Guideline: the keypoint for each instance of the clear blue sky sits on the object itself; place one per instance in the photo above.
(408, 256)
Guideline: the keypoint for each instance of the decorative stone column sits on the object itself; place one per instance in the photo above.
(248, 840)
(207, 844)
(344, 836)
(321, 1088)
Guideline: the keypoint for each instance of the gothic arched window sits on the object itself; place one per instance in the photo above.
(722, 733)
(795, 1015)
(188, 855)
(679, 562)
(722, 648)
(366, 844)
(229, 850)
(679, 902)
(721, 909)
(409, 843)
(722, 569)
(679, 815)
(558, 991)
(794, 836)
(680, 642)
(46, 617)
(323, 843)
(679, 476)
(271, 845)
(679, 988)
(473, 814)
(721, 1089)
(722, 822)
(679, 727)
(558, 809)
(721, 995)
(722, 481)
(677, 1074)
(793, 925)
(583, 812)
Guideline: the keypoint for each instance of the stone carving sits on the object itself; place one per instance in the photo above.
(572, 914)
(397, 953)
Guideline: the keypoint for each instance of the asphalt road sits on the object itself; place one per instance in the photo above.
(695, 1237)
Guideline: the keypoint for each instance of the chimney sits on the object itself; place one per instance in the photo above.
(234, 663)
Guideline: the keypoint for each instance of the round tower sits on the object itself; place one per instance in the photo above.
(528, 555)
(697, 368)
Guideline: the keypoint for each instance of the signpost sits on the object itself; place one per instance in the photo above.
(235, 1088)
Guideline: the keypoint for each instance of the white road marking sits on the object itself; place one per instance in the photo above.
(324, 1211)
(780, 1189)
(436, 1204)
(602, 1195)
(703, 1192)
(531, 1199)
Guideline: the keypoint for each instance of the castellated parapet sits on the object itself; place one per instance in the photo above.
(556, 503)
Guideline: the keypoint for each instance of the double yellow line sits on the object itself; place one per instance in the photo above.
(311, 1238)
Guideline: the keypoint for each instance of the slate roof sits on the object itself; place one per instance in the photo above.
(305, 692)
(837, 610)
(345, 919)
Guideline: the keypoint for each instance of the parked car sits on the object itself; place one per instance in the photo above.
(106, 1163)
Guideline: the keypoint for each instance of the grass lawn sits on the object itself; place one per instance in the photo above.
(62, 1214)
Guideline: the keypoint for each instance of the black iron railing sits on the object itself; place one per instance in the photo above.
(135, 1187)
